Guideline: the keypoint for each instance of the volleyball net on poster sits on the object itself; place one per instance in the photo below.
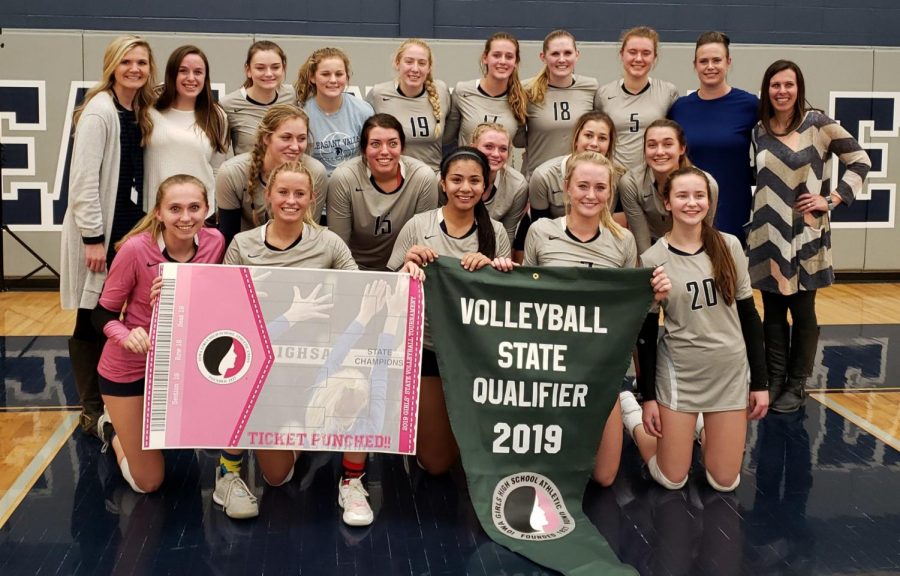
(284, 358)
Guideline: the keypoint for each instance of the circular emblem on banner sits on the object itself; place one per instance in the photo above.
(224, 356)
(528, 506)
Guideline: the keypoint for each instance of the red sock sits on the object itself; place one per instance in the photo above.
(352, 469)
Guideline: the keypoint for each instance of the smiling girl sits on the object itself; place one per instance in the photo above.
(240, 184)
(264, 87)
(636, 100)
(417, 100)
(557, 97)
(712, 340)
(587, 235)
(665, 150)
(496, 97)
(371, 198)
(172, 232)
(191, 130)
(335, 115)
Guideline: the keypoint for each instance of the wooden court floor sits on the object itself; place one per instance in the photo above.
(855, 392)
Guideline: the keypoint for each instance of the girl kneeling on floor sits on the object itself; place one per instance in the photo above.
(171, 232)
(712, 336)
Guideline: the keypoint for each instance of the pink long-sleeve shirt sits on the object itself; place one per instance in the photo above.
(130, 277)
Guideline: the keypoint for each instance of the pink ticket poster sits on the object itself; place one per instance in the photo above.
(284, 358)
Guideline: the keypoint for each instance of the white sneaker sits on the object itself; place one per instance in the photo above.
(354, 499)
(104, 433)
(234, 496)
(632, 414)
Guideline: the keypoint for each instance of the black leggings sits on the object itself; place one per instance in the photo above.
(804, 334)
(84, 327)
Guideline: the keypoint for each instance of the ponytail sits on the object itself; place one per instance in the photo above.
(487, 240)
(724, 270)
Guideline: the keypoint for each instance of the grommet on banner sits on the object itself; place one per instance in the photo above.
(536, 276)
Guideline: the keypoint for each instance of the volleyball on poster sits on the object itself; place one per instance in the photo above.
(284, 358)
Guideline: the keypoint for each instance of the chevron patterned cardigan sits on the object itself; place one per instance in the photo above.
(789, 251)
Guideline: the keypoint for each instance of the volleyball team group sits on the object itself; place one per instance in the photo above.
(616, 175)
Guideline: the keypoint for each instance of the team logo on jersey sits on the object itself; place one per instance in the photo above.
(528, 506)
(224, 357)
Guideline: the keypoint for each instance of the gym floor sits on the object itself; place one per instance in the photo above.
(820, 492)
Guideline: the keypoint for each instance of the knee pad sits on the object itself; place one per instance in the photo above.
(718, 487)
(126, 473)
(289, 476)
(661, 479)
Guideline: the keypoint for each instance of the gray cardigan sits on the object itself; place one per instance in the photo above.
(93, 182)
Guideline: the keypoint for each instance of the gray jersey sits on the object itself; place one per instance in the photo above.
(632, 113)
(644, 207)
(423, 131)
(701, 360)
(425, 230)
(470, 107)
(232, 192)
(244, 116)
(507, 203)
(550, 244)
(369, 220)
(550, 124)
(318, 248)
(547, 189)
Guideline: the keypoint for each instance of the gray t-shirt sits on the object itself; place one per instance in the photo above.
(546, 187)
(335, 138)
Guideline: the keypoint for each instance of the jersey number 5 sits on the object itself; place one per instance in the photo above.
(635, 123)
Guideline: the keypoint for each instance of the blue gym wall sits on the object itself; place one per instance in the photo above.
(821, 22)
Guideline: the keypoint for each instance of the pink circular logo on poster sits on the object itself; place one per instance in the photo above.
(224, 357)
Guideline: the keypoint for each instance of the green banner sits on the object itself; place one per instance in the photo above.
(532, 361)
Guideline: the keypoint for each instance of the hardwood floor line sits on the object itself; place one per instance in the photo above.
(39, 313)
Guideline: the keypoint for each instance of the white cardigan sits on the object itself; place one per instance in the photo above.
(93, 182)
